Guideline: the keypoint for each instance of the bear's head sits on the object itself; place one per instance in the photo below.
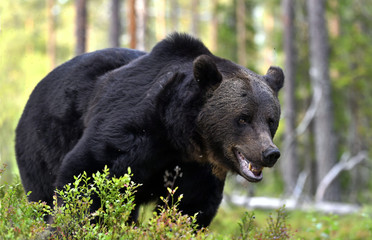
(240, 116)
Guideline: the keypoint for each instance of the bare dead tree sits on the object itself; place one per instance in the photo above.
(325, 144)
(289, 161)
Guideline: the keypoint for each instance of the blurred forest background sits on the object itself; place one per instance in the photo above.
(324, 48)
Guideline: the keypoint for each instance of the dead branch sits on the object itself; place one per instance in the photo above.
(311, 111)
(346, 163)
(297, 191)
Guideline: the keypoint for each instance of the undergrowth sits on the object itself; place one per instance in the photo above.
(72, 218)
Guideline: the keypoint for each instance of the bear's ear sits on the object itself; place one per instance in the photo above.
(275, 78)
(206, 73)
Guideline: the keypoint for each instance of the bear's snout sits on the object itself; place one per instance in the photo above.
(270, 156)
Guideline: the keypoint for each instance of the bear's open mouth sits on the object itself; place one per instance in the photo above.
(250, 171)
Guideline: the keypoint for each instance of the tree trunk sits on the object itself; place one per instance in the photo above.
(132, 24)
(325, 145)
(115, 26)
(356, 142)
(175, 12)
(195, 17)
(214, 26)
(241, 32)
(289, 161)
(81, 26)
(51, 46)
(141, 9)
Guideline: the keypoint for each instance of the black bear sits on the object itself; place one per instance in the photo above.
(178, 105)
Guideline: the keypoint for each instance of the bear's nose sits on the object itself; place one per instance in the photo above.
(270, 156)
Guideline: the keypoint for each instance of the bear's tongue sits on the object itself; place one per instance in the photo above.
(250, 171)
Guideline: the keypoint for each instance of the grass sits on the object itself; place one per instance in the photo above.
(303, 225)
(20, 219)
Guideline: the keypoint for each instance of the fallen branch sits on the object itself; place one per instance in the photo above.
(292, 204)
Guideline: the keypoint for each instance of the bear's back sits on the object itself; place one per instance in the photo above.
(52, 123)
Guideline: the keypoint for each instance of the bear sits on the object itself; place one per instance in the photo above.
(175, 107)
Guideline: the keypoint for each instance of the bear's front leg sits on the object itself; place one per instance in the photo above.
(202, 192)
(80, 159)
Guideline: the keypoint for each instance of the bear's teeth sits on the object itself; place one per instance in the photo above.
(254, 169)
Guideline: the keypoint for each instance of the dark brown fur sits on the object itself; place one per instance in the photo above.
(177, 106)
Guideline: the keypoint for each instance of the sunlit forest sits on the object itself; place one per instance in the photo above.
(324, 48)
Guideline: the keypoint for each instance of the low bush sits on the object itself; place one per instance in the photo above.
(72, 218)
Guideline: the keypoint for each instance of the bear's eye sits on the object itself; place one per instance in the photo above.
(244, 120)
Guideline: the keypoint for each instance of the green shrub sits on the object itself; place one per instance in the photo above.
(18, 218)
(73, 219)
(277, 228)
(169, 223)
